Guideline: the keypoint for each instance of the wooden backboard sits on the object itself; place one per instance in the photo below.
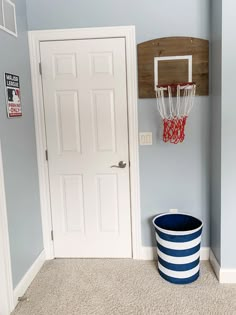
(173, 59)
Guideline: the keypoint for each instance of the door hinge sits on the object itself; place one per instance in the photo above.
(129, 163)
(52, 236)
(40, 68)
(46, 155)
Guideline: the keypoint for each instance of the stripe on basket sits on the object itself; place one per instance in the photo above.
(178, 260)
(178, 267)
(178, 274)
(178, 238)
(179, 281)
(178, 253)
(173, 245)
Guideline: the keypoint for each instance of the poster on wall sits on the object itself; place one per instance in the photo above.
(12, 83)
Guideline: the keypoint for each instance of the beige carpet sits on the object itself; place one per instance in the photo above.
(106, 287)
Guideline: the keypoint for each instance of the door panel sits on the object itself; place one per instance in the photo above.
(85, 101)
(72, 190)
(68, 123)
(108, 203)
(104, 120)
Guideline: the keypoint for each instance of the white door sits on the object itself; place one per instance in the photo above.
(85, 99)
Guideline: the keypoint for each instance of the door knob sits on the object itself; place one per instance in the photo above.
(121, 164)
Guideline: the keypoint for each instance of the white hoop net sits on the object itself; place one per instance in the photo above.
(174, 112)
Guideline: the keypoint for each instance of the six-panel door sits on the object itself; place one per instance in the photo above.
(85, 103)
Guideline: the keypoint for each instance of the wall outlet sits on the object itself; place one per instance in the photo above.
(145, 138)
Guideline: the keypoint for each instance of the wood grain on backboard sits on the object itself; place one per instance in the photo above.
(176, 70)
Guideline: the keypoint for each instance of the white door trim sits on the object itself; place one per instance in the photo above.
(6, 287)
(127, 32)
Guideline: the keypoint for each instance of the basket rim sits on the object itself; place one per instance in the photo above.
(182, 85)
(172, 232)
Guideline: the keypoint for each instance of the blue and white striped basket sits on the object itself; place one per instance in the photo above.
(178, 238)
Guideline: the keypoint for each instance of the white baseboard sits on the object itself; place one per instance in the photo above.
(150, 253)
(227, 275)
(223, 275)
(205, 253)
(25, 282)
(215, 265)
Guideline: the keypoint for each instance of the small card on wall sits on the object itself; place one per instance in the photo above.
(12, 83)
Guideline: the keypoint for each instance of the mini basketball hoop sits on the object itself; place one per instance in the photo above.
(175, 113)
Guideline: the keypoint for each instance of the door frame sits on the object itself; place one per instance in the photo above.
(127, 32)
(6, 286)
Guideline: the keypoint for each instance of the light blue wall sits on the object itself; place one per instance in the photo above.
(228, 153)
(19, 154)
(152, 18)
(171, 175)
(216, 66)
(175, 176)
